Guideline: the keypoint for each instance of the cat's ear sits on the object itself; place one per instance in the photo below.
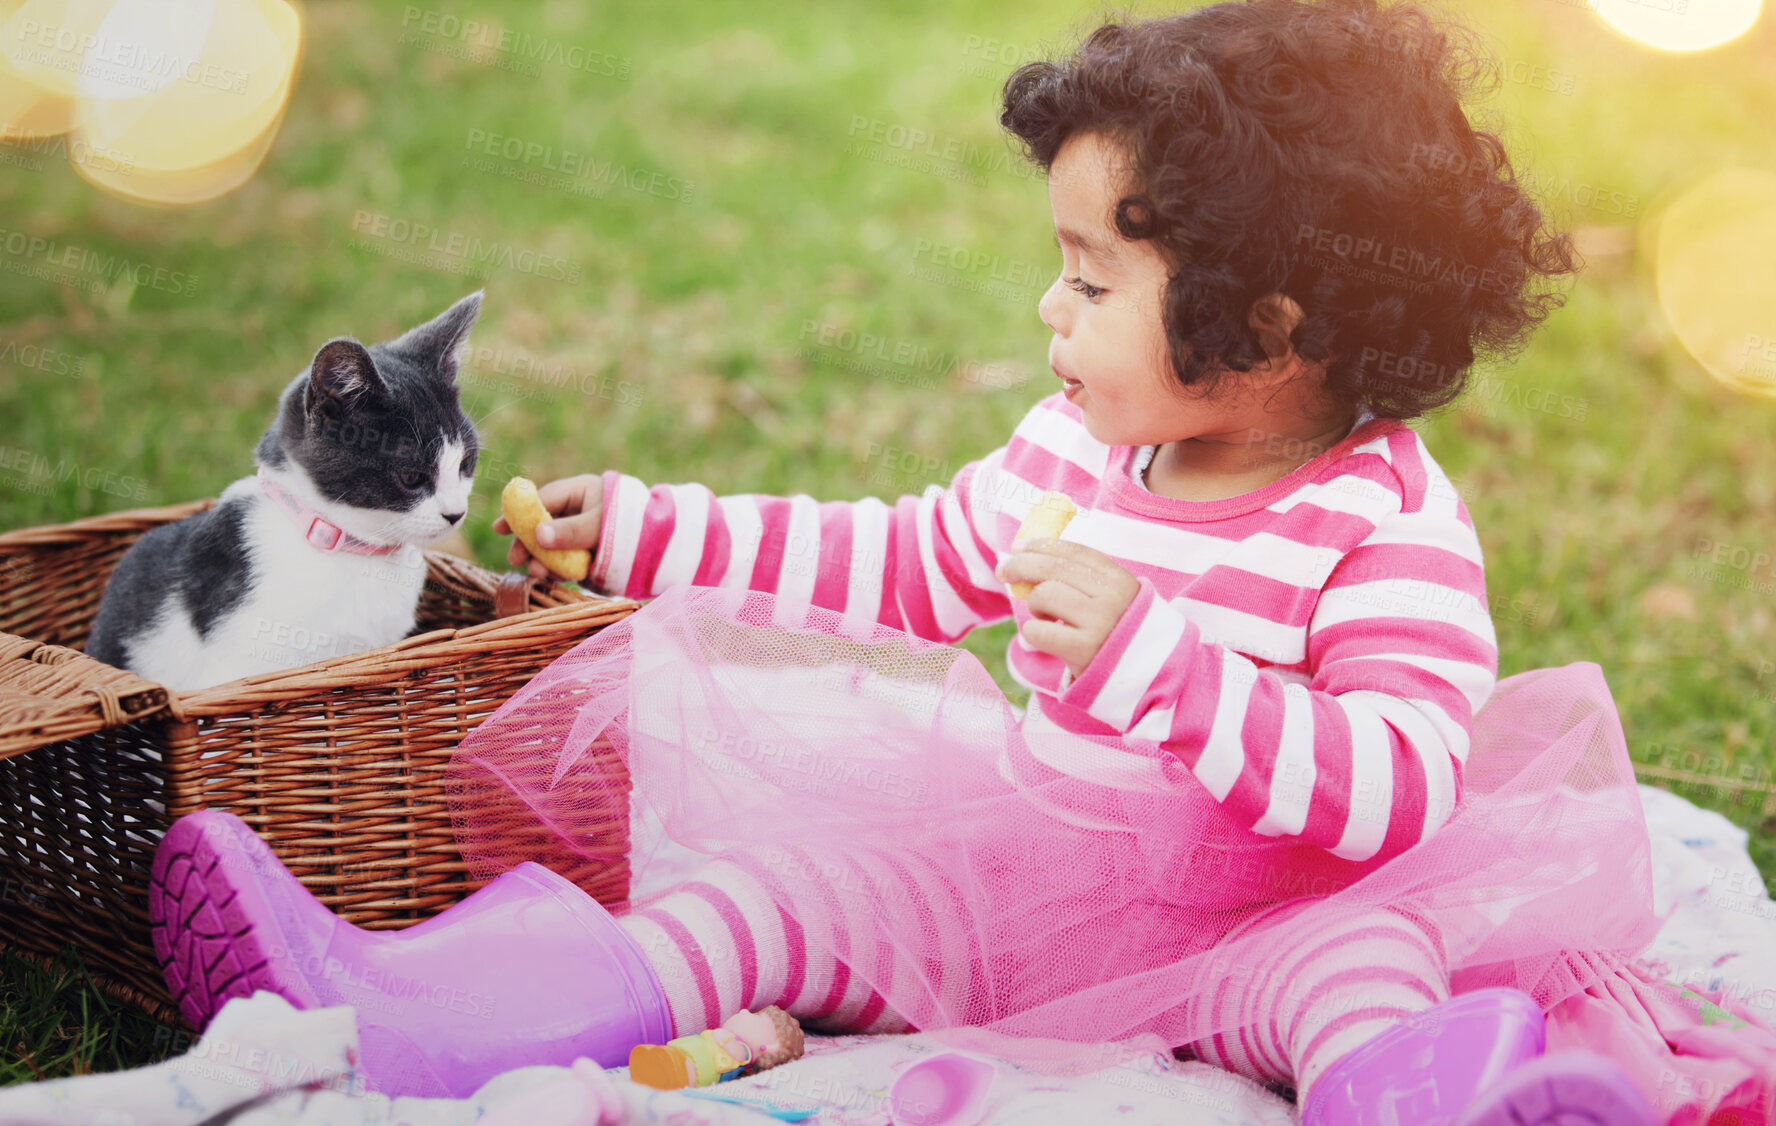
(435, 345)
(343, 373)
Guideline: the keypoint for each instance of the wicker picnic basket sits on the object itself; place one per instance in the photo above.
(338, 765)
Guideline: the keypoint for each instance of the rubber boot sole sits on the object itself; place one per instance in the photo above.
(215, 935)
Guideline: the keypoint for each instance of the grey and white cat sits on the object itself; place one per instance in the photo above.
(369, 456)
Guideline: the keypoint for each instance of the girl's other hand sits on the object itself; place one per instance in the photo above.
(577, 507)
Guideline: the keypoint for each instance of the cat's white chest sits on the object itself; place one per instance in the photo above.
(303, 605)
(308, 605)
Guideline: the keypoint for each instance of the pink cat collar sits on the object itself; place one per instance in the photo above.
(317, 529)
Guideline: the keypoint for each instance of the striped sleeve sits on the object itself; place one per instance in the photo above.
(1365, 758)
(923, 565)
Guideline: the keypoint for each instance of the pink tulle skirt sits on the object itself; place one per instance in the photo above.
(1076, 892)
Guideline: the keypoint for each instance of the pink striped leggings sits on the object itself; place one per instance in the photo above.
(719, 943)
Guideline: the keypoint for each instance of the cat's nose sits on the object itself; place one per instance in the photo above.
(453, 517)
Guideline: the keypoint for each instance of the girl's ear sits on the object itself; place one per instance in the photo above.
(1273, 318)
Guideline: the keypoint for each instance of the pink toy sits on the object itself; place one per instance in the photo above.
(528, 970)
(948, 1089)
(775, 1036)
(745, 1043)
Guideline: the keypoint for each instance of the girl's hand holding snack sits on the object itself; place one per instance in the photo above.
(1071, 616)
(576, 508)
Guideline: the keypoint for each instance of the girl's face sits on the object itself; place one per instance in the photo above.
(1109, 343)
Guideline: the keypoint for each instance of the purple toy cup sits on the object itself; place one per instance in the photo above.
(949, 1089)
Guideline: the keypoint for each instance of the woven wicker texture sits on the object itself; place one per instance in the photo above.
(339, 764)
(49, 693)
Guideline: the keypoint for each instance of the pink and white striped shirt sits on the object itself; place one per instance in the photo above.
(1314, 651)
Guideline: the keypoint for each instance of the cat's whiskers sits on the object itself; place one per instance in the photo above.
(497, 408)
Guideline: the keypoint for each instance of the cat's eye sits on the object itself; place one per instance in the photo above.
(468, 466)
(410, 479)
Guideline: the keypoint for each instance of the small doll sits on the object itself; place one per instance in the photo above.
(746, 1042)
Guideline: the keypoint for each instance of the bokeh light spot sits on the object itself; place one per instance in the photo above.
(1716, 271)
(163, 101)
(1679, 25)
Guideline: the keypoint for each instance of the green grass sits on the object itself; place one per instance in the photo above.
(54, 1023)
(702, 305)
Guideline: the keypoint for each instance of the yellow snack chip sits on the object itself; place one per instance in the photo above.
(1047, 519)
(524, 511)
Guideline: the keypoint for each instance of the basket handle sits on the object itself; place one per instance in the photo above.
(49, 693)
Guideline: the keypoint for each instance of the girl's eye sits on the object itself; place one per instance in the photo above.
(410, 479)
(1090, 291)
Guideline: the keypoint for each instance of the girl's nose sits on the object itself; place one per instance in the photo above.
(1049, 308)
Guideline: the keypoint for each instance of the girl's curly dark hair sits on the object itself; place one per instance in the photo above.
(1318, 150)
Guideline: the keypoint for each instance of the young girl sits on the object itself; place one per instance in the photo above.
(1267, 801)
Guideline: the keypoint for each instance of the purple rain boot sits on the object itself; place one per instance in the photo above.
(1473, 1060)
(1564, 1089)
(528, 970)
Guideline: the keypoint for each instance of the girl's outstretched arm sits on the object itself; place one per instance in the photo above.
(922, 565)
